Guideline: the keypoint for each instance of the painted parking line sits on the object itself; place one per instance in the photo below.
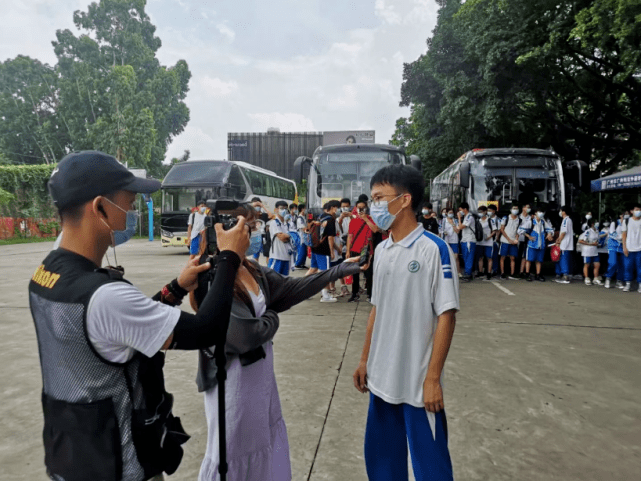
(504, 289)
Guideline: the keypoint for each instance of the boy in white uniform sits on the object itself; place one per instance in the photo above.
(280, 253)
(589, 240)
(485, 248)
(631, 233)
(566, 243)
(409, 332)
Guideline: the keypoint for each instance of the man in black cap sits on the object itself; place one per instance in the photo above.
(107, 415)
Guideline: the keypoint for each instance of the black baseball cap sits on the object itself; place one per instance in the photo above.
(82, 176)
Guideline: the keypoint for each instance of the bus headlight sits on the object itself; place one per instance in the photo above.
(165, 233)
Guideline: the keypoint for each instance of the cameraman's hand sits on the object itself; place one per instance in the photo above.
(188, 278)
(236, 239)
(356, 260)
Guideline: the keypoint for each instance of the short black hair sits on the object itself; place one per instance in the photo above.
(514, 206)
(345, 200)
(293, 206)
(201, 202)
(492, 207)
(281, 203)
(256, 199)
(301, 206)
(333, 203)
(635, 205)
(362, 198)
(483, 208)
(428, 205)
(567, 209)
(464, 205)
(403, 178)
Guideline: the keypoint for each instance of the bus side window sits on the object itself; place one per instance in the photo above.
(239, 188)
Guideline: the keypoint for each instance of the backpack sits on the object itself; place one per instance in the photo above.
(317, 231)
(478, 229)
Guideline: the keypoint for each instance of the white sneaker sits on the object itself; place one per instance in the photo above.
(639, 289)
(627, 287)
(328, 299)
(607, 283)
(597, 282)
(619, 285)
(588, 282)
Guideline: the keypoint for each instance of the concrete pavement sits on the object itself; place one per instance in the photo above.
(540, 385)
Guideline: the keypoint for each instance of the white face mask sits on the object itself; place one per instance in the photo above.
(282, 212)
(561, 213)
(528, 210)
(637, 213)
(514, 211)
(626, 216)
(540, 215)
(588, 216)
(425, 211)
(202, 210)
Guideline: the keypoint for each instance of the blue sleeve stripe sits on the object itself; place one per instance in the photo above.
(444, 252)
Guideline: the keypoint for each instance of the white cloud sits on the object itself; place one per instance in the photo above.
(197, 141)
(215, 87)
(386, 13)
(226, 32)
(287, 122)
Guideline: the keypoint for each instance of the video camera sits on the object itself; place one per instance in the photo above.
(228, 220)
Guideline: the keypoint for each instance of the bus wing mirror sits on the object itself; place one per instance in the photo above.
(577, 173)
(464, 173)
(299, 164)
(415, 161)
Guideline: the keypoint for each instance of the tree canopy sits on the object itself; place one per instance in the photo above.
(108, 91)
(564, 74)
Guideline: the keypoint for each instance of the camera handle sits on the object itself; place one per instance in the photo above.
(221, 377)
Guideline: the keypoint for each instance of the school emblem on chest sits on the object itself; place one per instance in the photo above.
(413, 266)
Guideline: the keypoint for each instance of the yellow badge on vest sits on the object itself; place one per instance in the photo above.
(45, 278)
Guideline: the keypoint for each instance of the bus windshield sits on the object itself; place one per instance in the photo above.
(348, 174)
(515, 179)
(183, 199)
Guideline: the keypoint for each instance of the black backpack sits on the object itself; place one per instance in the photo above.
(478, 229)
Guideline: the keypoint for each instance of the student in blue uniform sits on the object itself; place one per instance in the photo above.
(492, 212)
(468, 240)
(281, 252)
(589, 239)
(540, 230)
(485, 247)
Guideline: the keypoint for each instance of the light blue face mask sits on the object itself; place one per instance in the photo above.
(255, 244)
(119, 237)
(282, 212)
(381, 215)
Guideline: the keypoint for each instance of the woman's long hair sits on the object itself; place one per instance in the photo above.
(240, 291)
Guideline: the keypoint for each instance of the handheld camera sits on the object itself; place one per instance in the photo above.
(220, 211)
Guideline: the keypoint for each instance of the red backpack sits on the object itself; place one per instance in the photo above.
(555, 253)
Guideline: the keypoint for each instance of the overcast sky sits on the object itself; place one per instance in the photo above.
(299, 65)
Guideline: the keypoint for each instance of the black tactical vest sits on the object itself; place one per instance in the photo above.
(103, 421)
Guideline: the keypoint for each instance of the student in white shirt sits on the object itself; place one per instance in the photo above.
(467, 226)
(450, 233)
(526, 223)
(589, 239)
(196, 223)
(281, 251)
(485, 248)
(510, 241)
(631, 241)
(566, 243)
(301, 225)
(409, 333)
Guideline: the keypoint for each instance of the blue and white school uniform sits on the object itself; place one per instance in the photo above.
(280, 254)
(450, 235)
(415, 281)
(589, 253)
(511, 227)
(539, 229)
(564, 266)
(485, 248)
(613, 243)
(468, 244)
(496, 225)
(632, 262)
(301, 255)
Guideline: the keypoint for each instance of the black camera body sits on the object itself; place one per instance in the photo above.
(215, 217)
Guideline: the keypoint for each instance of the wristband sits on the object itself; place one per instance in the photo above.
(175, 288)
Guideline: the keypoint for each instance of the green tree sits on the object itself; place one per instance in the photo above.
(30, 131)
(516, 73)
(114, 93)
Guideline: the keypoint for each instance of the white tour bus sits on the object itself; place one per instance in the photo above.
(188, 183)
(345, 171)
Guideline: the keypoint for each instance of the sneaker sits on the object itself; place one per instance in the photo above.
(557, 278)
(578, 277)
(562, 280)
(627, 287)
(328, 299)
(597, 282)
(369, 299)
(460, 275)
(466, 279)
(639, 289)
(529, 278)
(488, 277)
(540, 278)
(503, 276)
(513, 278)
(354, 299)
(607, 283)
(587, 281)
(344, 292)
(523, 275)
(332, 293)
(619, 285)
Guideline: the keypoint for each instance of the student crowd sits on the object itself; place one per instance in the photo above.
(513, 247)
